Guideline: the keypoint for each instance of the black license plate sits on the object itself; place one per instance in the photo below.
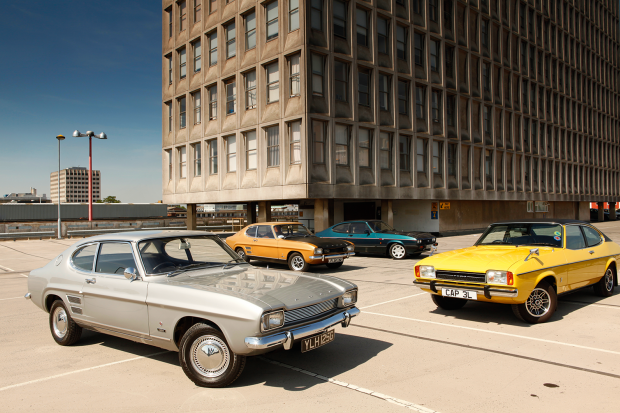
(317, 341)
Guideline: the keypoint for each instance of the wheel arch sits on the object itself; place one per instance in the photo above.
(185, 323)
(611, 263)
(549, 277)
(49, 300)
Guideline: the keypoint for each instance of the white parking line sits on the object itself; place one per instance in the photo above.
(349, 386)
(498, 333)
(391, 301)
(13, 298)
(80, 371)
(6, 268)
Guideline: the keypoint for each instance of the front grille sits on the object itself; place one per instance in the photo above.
(294, 316)
(475, 277)
(334, 250)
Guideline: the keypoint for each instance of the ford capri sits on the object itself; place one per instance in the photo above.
(526, 264)
(187, 291)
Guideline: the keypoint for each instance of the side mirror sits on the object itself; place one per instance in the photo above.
(533, 251)
(280, 236)
(131, 274)
(367, 232)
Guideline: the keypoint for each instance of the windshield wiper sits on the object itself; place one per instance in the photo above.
(543, 243)
(231, 263)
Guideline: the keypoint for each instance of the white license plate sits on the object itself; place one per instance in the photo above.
(331, 260)
(466, 294)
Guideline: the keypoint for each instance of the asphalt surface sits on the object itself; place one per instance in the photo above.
(400, 353)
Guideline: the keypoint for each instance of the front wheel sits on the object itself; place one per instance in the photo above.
(206, 359)
(605, 286)
(539, 306)
(64, 330)
(296, 262)
(448, 303)
(397, 251)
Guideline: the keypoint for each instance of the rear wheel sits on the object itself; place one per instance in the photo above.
(448, 303)
(241, 252)
(64, 330)
(605, 286)
(539, 306)
(296, 262)
(335, 265)
(397, 251)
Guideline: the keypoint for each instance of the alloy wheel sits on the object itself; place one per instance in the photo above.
(397, 251)
(609, 280)
(297, 263)
(538, 303)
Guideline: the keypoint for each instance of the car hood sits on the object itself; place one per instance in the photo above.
(267, 288)
(320, 242)
(413, 234)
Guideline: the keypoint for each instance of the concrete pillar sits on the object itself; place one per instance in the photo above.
(264, 211)
(191, 217)
(612, 211)
(601, 211)
(387, 215)
(321, 214)
(251, 213)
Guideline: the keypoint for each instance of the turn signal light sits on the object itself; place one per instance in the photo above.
(509, 279)
(417, 271)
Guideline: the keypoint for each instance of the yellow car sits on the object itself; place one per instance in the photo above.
(523, 263)
(291, 243)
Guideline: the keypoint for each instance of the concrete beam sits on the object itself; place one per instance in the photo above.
(321, 214)
(612, 211)
(264, 211)
(601, 211)
(191, 217)
(387, 215)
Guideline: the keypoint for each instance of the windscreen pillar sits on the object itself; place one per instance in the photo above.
(387, 215)
(612, 211)
(601, 211)
(321, 214)
(264, 211)
(251, 213)
(191, 217)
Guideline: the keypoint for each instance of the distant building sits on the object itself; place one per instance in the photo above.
(25, 197)
(74, 185)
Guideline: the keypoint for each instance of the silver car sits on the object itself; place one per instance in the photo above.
(187, 291)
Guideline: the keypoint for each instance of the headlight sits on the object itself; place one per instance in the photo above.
(500, 277)
(273, 320)
(350, 248)
(425, 271)
(419, 241)
(348, 298)
(318, 251)
(433, 240)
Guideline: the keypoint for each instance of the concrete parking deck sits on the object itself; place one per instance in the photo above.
(400, 353)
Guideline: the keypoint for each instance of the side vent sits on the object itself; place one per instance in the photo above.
(74, 300)
(76, 310)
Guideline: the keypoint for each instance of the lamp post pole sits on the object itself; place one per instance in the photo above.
(60, 138)
(90, 134)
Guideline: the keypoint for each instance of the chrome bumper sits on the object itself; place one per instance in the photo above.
(486, 290)
(323, 257)
(286, 338)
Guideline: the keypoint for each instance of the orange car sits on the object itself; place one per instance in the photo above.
(289, 242)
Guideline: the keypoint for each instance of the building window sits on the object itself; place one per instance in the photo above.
(197, 159)
(293, 15)
(435, 56)
(197, 11)
(316, 14)
(169, 59)
(212, 6)
(169, 156)
(488, 168)
(340, 18)
(317, 75)
(182, 16)
(403, 97)
(213, 157)
(318, 142)
(295, 142)
(272, 20)
(212, 48)
(365, 148)
(404, 150)
(419, 102)
(294, 75)
(197, 117)
(384, 92)
(363, 76)
(438, 159)
(487, 119)
(273, 83)
(250, 150)
(419, 49)
(342, 144)
(417, 6)
(486, 77)
(169, 13)
(452, 160)
(182, 64)
(231, 48)
(273, 146)
(451, 110)
(169, 116)
(422, 156)
(362, 27)
(231, 97)
(182, 162)
(182, 113)
(433, 10)
(436, 106)
(383, 27)
(213, 102)
(250, 90)
(197, 56)
(401, 42)
(484, 30)
(341, 72)
(385, 150)
(250, 31)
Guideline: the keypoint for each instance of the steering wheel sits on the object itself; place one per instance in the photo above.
(161, 264)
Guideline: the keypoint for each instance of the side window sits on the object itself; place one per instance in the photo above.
(251, 232)
(342, 228)
(358, 228)
(85, 257)
(574, 238)
(264, 231)
(592, 236)
(114, 258)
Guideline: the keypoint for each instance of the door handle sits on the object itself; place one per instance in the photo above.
(91, 280)
(591, 252)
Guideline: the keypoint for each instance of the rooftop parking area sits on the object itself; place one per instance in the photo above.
(401, 352)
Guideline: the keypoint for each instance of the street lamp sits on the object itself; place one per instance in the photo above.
(90, 135)
(60, 138)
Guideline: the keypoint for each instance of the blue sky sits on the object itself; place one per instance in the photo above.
(87, 65)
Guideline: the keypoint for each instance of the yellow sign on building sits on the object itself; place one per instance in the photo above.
(444, 205)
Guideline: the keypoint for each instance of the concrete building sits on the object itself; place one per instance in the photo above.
(431, 115)
(74, 185)
(25, 197)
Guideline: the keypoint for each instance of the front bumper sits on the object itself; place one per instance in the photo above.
(326, 257)
(487, 290)
(286, 338)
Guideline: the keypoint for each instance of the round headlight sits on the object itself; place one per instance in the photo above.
(350, 247)
(318, 251)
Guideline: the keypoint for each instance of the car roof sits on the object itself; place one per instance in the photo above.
(276, 223)
(134, 236)
(361, 220)
(543, 221)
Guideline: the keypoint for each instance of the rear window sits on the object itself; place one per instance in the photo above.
(592, 236)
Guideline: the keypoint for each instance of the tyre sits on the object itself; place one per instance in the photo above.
(539, 306)
(206, 358)
(605, 286)
(64, 330)
(397, 251)
(296, 262)
(241, 252)
(448, 303)
(335, 265)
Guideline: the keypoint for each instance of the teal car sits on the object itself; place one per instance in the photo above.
(378, 238)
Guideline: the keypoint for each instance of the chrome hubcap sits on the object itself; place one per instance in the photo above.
(59, 322)
(241, 253)
(297, 263)
(210, 356)
(398, 251)
(538, 303)
(609, 280)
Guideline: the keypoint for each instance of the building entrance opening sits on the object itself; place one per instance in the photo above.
(359, 211)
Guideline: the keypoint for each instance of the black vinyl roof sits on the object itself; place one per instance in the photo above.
(543, 221)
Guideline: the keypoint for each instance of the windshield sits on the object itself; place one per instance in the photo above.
(291, 230)
(379, 226)
(165, 255)
(523, 234)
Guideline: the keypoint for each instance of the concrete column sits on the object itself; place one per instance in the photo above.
(612, 211)
(601, 212)
(387, 215)
(251, 213)
(321, 214)
(191, 217)
(264, 211)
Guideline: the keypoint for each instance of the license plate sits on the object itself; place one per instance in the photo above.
(331, 260)
(317, 341)
(468, 295)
